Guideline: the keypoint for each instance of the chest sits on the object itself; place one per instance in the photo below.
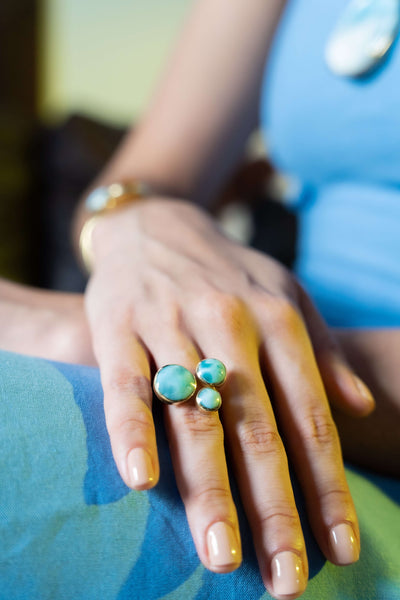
(322, 127)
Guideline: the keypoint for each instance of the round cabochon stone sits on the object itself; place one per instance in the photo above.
(211, 371)
(174, 383)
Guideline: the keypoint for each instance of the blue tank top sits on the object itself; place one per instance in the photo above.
(341, 139)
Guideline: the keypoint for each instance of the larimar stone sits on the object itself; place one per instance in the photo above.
(363, 36)
(209, 399)
(211, 371)
(97, 199)
(174, 384)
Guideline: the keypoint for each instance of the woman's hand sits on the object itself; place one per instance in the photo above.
(41, 323)
(374, 442)
(168, 287)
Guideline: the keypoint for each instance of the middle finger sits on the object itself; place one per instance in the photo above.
(260, 462)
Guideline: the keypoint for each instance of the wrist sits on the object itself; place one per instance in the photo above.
(100, 202)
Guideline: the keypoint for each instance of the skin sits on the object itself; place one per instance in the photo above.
(169, 287)
(43, 323)
(374, 442)
(53, 325)
(246, 309)
(165, 258)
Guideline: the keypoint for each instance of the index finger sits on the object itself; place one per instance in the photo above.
(126, 380)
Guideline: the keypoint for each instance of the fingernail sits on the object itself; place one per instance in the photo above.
(287, 574)
(344, 546)
(141, 468)
(364, 392)
(223, 548)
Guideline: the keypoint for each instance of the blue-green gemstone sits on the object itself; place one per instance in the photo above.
(209, 399)
(97, 199)
(211, 371)
(174, 383)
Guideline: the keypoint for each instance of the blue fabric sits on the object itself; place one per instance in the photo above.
(71, 529)
(340, 139)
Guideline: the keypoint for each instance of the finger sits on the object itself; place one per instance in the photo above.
(197, 450)
(310, 433)
(345, 389)
(125, 376)
(259, 458)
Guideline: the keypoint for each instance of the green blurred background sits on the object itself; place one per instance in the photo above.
(102, 57)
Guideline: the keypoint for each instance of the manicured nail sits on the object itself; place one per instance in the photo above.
(344, 545)
(223, 547)
(141, 468)
(364, 392)
(287, 574)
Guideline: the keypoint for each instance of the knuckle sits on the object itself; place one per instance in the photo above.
(319, 431)
(211, 495)
(335, 496)
(279, 314)
(126, 381)
(118, 320)
(282, 516)
(194, 423)
(257, 438)
(139, 422)
(224, 305)
(284, 313)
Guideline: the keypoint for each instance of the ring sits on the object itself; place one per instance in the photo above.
(211, 371)
(212, 374)
(208, 399)
(174, 384)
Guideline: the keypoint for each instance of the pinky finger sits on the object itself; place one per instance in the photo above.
(345, 390)
(125, 376)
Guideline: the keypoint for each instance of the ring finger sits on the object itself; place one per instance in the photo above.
(259, 457)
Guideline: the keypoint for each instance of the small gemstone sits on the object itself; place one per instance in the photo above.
(174, 383)
(211, 371)
(209, 399)
(97, 199)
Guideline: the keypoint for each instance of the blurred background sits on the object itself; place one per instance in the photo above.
(73, 75)
(102, 57)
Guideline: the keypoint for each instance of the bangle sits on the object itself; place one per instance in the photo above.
(102, 200)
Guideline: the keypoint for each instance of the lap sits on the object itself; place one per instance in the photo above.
(70, 528)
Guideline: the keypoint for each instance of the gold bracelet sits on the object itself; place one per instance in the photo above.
(102, 200)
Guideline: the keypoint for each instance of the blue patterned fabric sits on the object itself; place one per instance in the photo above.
(71, 529)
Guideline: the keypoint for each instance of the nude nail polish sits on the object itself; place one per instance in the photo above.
(344, 545)
(364, 392)
(140, 468)
(223, 547)
(287, 574)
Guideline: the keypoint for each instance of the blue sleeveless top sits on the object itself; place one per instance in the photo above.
(341, 139)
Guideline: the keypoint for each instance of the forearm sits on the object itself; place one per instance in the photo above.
(206, 105)
(374, 441)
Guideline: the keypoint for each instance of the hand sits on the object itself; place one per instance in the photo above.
(168, 287)
(374, 442)
(41, 323)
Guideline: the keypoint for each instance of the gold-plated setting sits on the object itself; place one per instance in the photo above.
(85, 243)
(102, 200)
(208, 400)
(174, 384)
(211, 372)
